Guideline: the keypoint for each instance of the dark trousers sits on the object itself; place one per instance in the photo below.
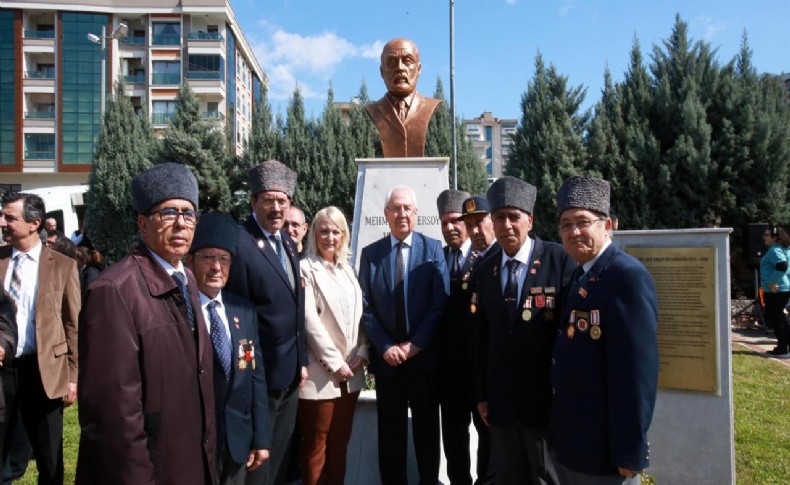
(414, 388)
(19, 453)
(282, 415)
(230, 472)
(522, 455)
(326, 429)
(774, 313)
(41, 416)
(457, 412)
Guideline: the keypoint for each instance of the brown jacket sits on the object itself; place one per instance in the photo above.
(58, 304)
(146, 386)
(403, 138)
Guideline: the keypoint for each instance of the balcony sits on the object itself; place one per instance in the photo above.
(133, 40)
(40, 155)
(166, 40)
(213, 116)
(40, 74)
(204, 75)
(161, 118)
(40, 115)
(134, 78)
(215, 36)
(173, 79)
(39, 34)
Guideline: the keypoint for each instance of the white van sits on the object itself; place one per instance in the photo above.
(65, 203)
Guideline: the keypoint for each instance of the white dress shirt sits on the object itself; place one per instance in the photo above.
(26, 304)
(523, 257)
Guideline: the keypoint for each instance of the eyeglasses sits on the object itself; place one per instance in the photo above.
(224, 260)
(169, 215)
(580, 225)
(406, 210)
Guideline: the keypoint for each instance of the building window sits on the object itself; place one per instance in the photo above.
(205, 67)
(166, 33)
(40, 146)
(163, 112)
(166, 72)
(7, 88)
(489, 133)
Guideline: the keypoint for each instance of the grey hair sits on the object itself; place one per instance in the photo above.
(400, 187)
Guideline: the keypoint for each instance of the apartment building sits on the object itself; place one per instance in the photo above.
(492, 139)
(53, 54)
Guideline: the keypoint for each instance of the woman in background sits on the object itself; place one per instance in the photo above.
(337, 348)
(776, 285)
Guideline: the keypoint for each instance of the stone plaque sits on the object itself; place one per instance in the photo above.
(687, 339)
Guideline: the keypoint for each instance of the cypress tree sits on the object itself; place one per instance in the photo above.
(123, 150)
(548, 144)
(200, 145)
(364, 136)
(298, 152)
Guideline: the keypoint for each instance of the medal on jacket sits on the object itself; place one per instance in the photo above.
(595, 332)
(236, 322)
(465, 279)
(473, 303)
(260, 243)
(571, 330)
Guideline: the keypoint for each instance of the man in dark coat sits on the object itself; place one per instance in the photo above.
(8, 338)
(146, 362)
(605, 369)
(243, 431)
(266, 272)
(516, 308)
(404, 284)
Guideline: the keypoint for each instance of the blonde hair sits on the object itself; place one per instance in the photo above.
(334, 215)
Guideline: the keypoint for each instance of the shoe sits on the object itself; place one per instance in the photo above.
(777, 352)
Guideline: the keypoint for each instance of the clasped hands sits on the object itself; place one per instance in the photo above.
(347, 371)
(400, 353)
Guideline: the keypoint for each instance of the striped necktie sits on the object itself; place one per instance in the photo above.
(15, 289)
(219, 339)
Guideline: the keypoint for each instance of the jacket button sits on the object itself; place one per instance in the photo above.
(201, 371)
(553, 391)
(205, 441)
(553, 361)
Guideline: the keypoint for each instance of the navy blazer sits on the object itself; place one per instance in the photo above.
(605, 388)
(241, 402)
(514, 355)
(428, 287)
(257, 275)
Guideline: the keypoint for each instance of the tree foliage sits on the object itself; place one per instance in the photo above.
(123, 150)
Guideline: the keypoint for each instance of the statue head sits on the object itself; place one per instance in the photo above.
(400, 67)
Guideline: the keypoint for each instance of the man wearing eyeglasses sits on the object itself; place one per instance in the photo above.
(405, 285)
(243, 432)
(266, 272)
(605, 368)
(515, 311)
(146, 362)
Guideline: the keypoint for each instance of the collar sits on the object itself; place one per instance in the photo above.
(482, 253)
(204, 300)
(465, 248)
(408, 99)
(266, 234)
(167, 266)
(34, 253)
(407, 240)
(589, 264)
(522, 256)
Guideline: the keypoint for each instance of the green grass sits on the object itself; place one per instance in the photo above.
(762, 423)
(762, 418)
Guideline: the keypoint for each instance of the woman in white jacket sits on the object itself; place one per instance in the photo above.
(337, 350)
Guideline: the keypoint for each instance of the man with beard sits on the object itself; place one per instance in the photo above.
(516, 308)
(402, 115)
(266, 272)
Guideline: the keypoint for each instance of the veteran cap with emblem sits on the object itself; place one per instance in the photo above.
(215, 230)
(274, 176)
(450, 201)
(477, 204)
(512, 192)
(583, 192)
(163, 182)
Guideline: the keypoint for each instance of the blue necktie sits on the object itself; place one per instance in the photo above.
(219, 339)
(182, 285)
(280, 253)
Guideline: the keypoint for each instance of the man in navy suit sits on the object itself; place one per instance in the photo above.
(265, 271)
(516, 306)
(242, 413)
(404, 284)
(605, 369)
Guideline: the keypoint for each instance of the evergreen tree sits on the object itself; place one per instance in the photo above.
(298, 152)
(122, 152)
(336, 153)
(364, 136)
(200, 145)
(685, 76)
(472, 176)
(548, 144)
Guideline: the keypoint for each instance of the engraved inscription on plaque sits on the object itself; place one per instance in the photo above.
(687, 341)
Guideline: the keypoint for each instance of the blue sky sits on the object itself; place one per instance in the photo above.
(315, 42)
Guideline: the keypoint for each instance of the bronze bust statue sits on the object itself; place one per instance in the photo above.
(402, 115)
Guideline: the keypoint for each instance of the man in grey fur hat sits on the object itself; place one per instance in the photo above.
(605, 368)
(146, 388)
(516, 309)
(265, 271)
